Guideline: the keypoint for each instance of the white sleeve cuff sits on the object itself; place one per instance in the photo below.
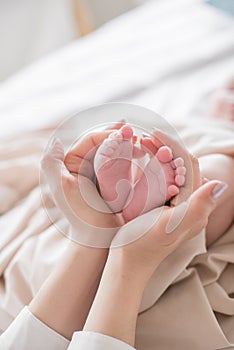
(26, 332)
(96, 341)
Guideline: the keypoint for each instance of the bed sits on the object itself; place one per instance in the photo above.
(167, 56)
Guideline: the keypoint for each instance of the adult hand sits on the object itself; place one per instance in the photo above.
(128, 268)
(146, 241)
(70, 179)
(154, 236)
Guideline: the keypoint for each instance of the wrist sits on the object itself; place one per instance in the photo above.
(136, 269)
(116, 305)
(97, 256)
(126, 272)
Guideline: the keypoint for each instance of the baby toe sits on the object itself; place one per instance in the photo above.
(172, 190)
(181, 170)
(180, 180)
(126, 132)
(164, 154)
(178, 162)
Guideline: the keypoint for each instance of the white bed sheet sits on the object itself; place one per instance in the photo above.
(165, 55)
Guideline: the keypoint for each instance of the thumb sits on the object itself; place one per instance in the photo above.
(192, 215)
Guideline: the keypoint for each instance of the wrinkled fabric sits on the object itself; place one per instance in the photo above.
(189, 301)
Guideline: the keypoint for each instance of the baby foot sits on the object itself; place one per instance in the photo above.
(112, 165)
(160, 181)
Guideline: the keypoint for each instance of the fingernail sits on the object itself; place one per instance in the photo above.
(122, 121)
(218, 190)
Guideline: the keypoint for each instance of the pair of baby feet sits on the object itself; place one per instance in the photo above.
(115, 170)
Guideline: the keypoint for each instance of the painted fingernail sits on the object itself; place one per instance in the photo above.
(218, 190)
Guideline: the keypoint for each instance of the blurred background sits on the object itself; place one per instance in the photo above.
(32, 28)
(62, 56)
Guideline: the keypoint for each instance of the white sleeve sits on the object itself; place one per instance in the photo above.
(26, 332)
(96, 341)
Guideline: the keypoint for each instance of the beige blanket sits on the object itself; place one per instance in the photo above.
(189, 302)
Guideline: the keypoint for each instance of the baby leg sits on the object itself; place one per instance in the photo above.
(219, 167)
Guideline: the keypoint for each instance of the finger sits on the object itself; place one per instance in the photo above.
(230, 84)
(193, 179)
(196, 175)
(190, 217)
(160, 139)
(52, 161)
(148, 145)
(117, 126)
(85, 148)
(204, 180)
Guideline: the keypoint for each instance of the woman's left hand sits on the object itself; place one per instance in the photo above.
(70, 179)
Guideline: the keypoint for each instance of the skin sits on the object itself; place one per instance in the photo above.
(160, 180)
(65, 299)
(129, 268)
(62, 301)
(223, 216)
(219, 221)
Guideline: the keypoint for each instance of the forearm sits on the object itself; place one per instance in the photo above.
(65, 299)
(116, 305)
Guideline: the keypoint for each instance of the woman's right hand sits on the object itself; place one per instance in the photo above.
(174, 225)
(159, 232)
(129, 267)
